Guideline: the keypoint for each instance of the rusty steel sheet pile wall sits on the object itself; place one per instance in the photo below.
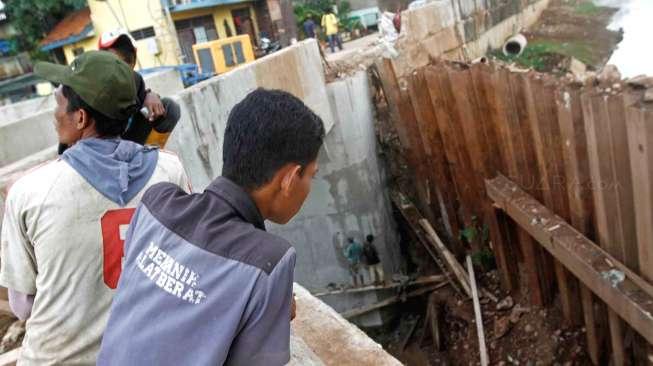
(578, 148)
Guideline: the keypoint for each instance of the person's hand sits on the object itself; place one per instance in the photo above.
(154, 106)
(293, 308)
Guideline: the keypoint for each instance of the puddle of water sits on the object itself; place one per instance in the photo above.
(634, 55)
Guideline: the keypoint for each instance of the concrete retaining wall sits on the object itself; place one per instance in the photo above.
(460, 29)
(348, 197)
(16, 111)
(205, 106)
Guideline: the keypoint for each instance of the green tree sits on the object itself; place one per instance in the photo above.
(33, 19)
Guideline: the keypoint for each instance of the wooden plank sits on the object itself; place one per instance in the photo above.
(546, 138)
(438, 169)
(474, 112)
(623, 180)
(477, 314)
(402, 114)
(592, 331)
(579, 193)
(366, 309)
(640, 134)
(417, 281)
(442, 99)
(587, 261)
(451, 262)
(537, 265)
(613, 198)
(471, 93)
(640, 137)
(412, 216)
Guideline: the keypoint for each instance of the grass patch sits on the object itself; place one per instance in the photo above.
(587, 8)
(543, 55)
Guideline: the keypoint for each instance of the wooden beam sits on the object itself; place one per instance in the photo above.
(366, 309)
(587, 261)
(477, 313)
(418, 281)
(452, 264)
(412, 216)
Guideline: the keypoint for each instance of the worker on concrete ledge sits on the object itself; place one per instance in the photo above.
(203, 282)
(62, 234)
(353, 253)
(372, 260)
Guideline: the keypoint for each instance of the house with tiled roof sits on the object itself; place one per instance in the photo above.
(165, 30)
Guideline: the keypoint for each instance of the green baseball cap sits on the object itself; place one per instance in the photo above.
(100, 78)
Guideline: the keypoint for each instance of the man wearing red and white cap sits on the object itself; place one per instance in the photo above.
(162, 113)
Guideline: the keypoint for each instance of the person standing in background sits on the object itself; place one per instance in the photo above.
(330, 27)
(353, 252)
(372, 261)
(309, 28)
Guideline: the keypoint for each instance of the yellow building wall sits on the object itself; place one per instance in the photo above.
(130, 15)
(220, 13)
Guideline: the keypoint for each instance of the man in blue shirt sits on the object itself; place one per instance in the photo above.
(203, 282)
(353, 253)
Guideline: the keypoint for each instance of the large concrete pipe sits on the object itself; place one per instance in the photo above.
(515, 45)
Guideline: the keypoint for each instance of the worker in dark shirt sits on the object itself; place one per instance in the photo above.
(309, 28)
(372, 260)
(203, 282)
(162, 113)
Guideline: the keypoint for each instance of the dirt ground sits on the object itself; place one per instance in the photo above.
(515, 335)
(569, 28)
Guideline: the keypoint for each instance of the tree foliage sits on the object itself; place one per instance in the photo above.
(33, 19)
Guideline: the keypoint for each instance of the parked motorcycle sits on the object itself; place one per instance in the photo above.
(267, 46)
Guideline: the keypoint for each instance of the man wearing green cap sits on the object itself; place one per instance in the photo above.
(65, 222)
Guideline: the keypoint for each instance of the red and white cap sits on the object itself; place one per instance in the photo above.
(110, 37)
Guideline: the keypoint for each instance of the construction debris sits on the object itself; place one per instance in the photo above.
(506, 304)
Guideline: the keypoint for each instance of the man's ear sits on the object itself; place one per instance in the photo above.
(290, 178)
(83, 119)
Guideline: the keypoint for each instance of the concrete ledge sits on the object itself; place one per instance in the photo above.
(333, 339)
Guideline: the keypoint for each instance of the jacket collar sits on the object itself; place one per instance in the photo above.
(241, 202)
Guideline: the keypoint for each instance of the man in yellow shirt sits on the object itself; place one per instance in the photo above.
(330, 27)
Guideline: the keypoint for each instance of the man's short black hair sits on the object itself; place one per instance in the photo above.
(126, 49)
(105, 126)
(265, 131)
(370, 238)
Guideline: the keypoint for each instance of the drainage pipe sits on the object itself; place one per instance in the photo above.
(515, 45)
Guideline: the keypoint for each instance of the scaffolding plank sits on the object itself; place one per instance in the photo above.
(587, 261)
